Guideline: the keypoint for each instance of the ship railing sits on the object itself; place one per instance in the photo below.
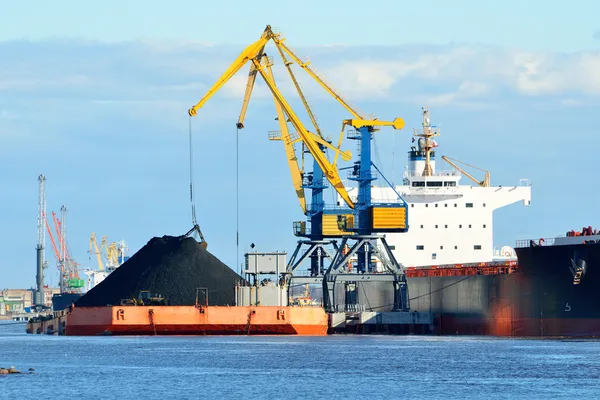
(534, 242)
(436, 173)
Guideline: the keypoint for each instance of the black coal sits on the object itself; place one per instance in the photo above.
(170, 266)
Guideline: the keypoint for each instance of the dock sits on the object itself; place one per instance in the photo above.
(392, 322)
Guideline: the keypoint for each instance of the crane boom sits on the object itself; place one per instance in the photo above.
(94, 244)
(329, 170)
(249, 88)
(289, 148)
(304, 65)
(249, 53)
(484, 183)
(288, 66)
(56, 252)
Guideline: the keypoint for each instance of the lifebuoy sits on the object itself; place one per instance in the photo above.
(507, 253)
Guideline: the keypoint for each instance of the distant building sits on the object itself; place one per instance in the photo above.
(13, 301)
(16, 300)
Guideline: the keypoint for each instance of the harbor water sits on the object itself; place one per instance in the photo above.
(340, 366)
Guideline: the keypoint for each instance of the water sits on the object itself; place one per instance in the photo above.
(296, 367)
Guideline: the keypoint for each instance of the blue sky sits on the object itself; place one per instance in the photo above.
(95, 97)
(533, 24)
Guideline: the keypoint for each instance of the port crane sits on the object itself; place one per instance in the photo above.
(69, 281)
(110, 249)
(366, 219)
(319, 242)
(41, 244)
(484, 183)
(97, 252)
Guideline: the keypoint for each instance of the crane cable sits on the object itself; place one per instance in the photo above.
(194, 222)
(237, 198)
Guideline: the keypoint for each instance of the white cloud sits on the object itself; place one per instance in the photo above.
(465, 76)
(527, 73)
(464, 96)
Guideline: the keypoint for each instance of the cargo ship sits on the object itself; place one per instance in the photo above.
(538, 288)
(453, 268)
(551, 291)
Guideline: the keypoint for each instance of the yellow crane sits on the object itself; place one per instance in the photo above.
(112, 255)
(484, 183)
(253, 54)
(296, 171)
(94, 245)
(288, 139)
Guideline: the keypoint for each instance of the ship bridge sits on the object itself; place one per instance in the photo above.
(421, 178)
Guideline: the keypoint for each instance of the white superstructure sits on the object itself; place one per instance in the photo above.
(449, 223)
(117, 254)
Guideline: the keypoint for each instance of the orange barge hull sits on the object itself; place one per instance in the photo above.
(195, 320)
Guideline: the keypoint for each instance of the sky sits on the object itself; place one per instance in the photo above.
(95, 97)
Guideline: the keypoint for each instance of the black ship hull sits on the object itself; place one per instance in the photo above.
(64, 300)
(554, 292)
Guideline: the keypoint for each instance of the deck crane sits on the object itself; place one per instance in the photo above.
(367, 218)
(484, 183)
(94, 246)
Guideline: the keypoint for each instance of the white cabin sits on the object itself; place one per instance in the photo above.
(449, 223)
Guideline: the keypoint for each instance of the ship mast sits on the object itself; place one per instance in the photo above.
(426, 143)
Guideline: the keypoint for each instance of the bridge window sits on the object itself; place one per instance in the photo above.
(469, 205)
(418, 184)
(449, 183)
(434, 183)
(477, 247)
(420, 247)
(426, 205)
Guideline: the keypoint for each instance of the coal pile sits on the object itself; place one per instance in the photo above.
(172, 266)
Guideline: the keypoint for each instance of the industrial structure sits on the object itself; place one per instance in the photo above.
(41, 244)
(109, 256)
(360, 222)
